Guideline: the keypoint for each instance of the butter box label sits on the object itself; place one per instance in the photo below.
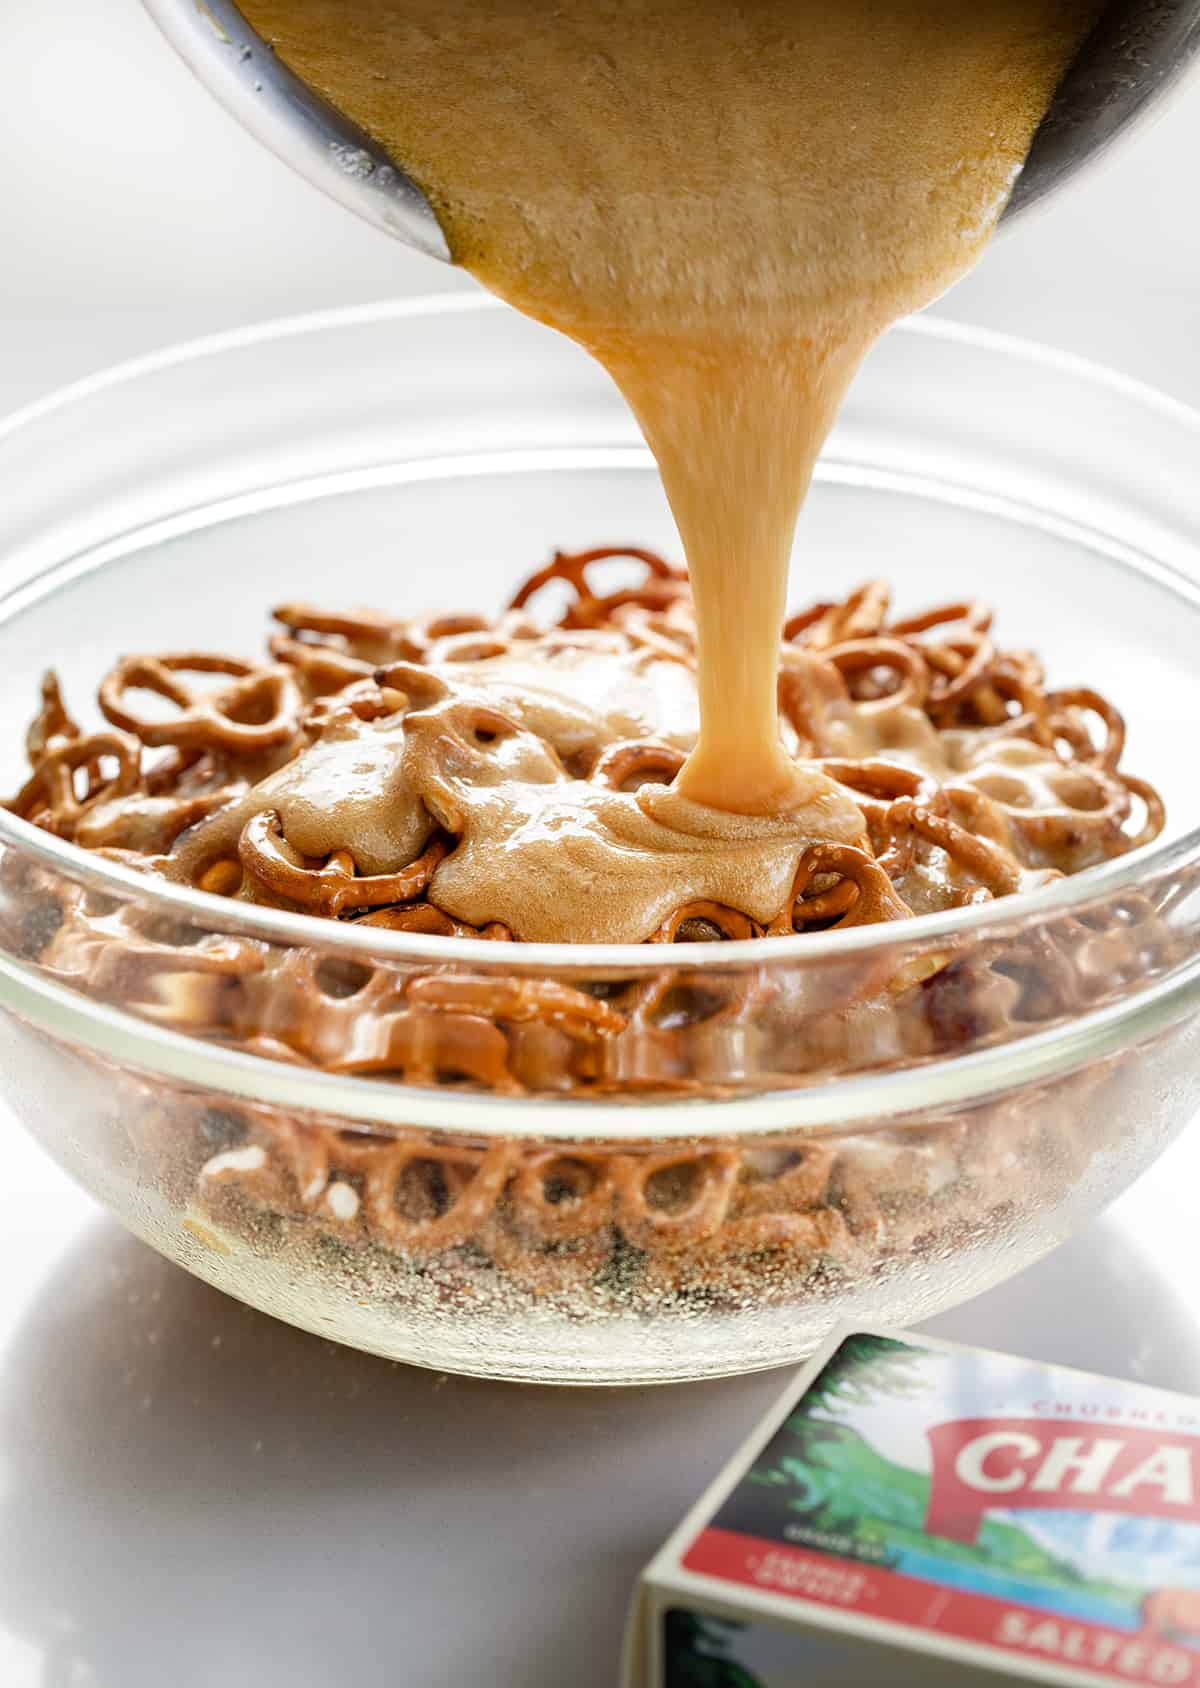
(983, 1499)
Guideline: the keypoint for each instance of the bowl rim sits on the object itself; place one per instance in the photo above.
(1062, 897)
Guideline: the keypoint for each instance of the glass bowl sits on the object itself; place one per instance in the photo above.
(593, 1165)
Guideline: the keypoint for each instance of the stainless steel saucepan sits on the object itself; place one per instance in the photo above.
(1137, 50)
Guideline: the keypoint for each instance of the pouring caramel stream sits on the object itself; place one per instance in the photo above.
(725, 205)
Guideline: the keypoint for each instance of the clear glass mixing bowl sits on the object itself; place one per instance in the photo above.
(582, 1164)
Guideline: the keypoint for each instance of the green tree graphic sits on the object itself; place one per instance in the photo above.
(864, 1368)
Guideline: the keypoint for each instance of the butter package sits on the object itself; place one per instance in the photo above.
(919, 1513)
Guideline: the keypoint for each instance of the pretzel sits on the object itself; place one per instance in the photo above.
(546, 1271)
(876, 784)
(1009, 686)
(866, 656)
(799, 1180)
(659, 635)
(354, 1181)
(544, 1000)
(147, 825)
(361, 635)
(693, 918)
(52, 724)
(972, 615)
(206, 720)
(559, 1196)
(773, 1257)
(321, 667)
(361, 700)
(663, 583)
(873, 899)
(1069, 710)
(860, 616)
(959, 667)
(49, 796)
(335, 886)
(1074, 813)
(429, 921)
(636, 759)
(985, 862)
(1156, 811)
(705, 1188)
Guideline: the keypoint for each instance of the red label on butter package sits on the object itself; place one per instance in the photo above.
(1063, 1464)
(1013, 1510)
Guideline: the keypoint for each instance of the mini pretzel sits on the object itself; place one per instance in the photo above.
(322, 667)
(585, 1194)
(207, 720)
(864, 656)
(991, 866)
(812, 694)
(543, 1268)
(430, 921)
(876, 784)
(1074, 811)
(976, 617)
(334, 887)
(874, 898)
(860, 616)
(768, 1257)
(959, 666)
(636, 759)
(663, 582)
(545, 1000)
(1066, 708)
(729, 922)
(149, 825)
(52, 723)
(364, 635)
(1008, 680)
(476, 646)
(1156, 813)
(657, 636)
(644, 1221)
(49, 794)
(362, 700)
(379, 1164)
(475, 1196)
(451, 626)
(801, 1182)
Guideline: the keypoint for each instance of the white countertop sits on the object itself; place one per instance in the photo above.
(191, 1494)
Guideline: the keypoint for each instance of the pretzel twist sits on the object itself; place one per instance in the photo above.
(49, 796)
(214, 720)
(662, 585)
(871, 656)
(636, 759)
(335, 887)
(990, 866)
(727, 923)
(519, 1000)
(873, 897)
(707, 1189)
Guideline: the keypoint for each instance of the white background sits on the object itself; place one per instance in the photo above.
(190, 1494)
